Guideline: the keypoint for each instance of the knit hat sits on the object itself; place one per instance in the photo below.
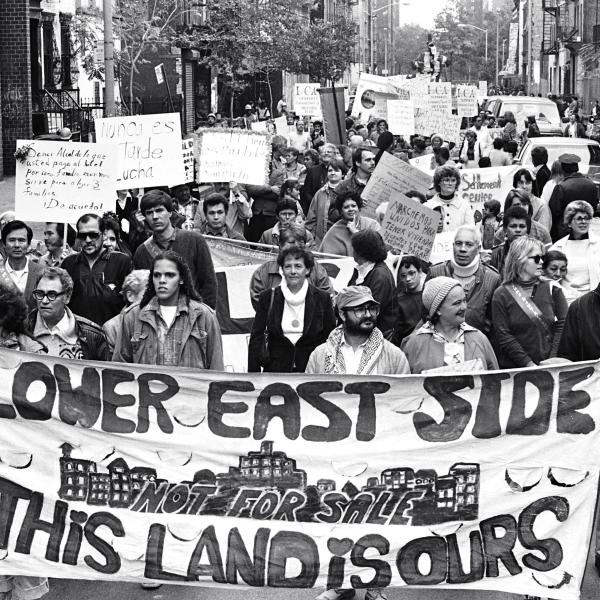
(435, 291)
(354, 295)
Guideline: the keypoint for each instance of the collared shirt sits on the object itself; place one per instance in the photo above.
(61, 339)
(19, 277)
(351, 356)
(168, 336)
(49, 261)
(166, 244)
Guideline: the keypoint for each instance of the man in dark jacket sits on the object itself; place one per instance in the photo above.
(580, 338)
(64, 333)
(575, 186)
(363, 165)
(478, 281)
(539, 158)
(316, 177)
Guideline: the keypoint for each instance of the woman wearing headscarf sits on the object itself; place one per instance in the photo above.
(528, 312)
(445, 339)
(296, 316)
(371, 270)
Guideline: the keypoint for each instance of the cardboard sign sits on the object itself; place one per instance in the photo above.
(440, 97)
(278, 480)
(392, 175)
(148, 148)
(401, 117)
(237, 155)
(483, 88)
(281, 126)
(306, 99)
(187, 151)
(428, 122)
(466, 100)
(60, 181)
(409, 226)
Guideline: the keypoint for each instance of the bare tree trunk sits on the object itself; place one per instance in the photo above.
(231, 99)
(270, 92)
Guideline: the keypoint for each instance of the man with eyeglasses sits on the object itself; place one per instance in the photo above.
(356, 347)
(97, 274)
(54, 325)
(478, 280)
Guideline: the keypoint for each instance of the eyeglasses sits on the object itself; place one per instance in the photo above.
(93, 235)
(536, 259)
(584, 219)
(361, 311)
(51, 295)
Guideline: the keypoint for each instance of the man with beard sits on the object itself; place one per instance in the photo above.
(356, 347)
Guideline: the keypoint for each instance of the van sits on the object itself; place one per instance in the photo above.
(545, 111)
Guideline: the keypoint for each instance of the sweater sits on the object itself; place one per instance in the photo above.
(338, 239)
(190, 245)
(410, 313)
(520, 339)
(580, 339)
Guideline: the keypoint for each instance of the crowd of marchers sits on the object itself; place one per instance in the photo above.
(138, 284)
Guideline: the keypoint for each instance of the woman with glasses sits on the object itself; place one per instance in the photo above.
(581, 248)
(528, 312)
(295, 316)
(445, 340)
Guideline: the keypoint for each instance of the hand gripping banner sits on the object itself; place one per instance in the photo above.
(126, 472)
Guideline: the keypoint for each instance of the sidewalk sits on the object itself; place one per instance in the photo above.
(7, 194)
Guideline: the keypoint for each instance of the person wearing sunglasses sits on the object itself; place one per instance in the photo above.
(54, 325)
(97, 274)
(582, 250)
(528, 312)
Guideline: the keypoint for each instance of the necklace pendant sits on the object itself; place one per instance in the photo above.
(295, 323)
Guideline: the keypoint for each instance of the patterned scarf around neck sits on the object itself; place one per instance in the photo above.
(334, 359)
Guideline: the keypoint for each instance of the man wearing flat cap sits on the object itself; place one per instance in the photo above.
(575, 186)
(357, 346)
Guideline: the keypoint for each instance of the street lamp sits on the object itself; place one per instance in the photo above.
(463, 25)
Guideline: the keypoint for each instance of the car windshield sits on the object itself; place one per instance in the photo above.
(544, 112)
(589, 154)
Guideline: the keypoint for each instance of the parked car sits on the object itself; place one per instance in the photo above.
(587, 150)
(545, 111)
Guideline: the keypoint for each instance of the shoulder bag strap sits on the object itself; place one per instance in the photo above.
(527, 305)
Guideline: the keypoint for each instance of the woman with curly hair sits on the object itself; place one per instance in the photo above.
(13, 323)
(455, 211)
(171, 326)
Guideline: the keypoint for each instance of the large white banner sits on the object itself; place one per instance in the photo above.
(148, 148)
(125, 472)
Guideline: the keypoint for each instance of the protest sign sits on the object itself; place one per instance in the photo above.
(401, 117)
(187, 150)
(424, 163)
(480, 185)
(483, 89)
(148, 148)
(409, 226)
(441, 249)
(392, 175)
(466, 100)
(334, 116)
(298, 480)
(417, 87)
(440, 97)
(60, 181)
(306, 100)
(281, 126)
(259, 126)
(233, 155)
(372, 94)
(428, 122)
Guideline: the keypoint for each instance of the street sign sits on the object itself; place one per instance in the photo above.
(99, 54)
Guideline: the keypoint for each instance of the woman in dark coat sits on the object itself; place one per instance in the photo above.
(371, 271)
(297, 316)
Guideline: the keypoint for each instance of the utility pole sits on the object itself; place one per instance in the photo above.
(109, 60)
(529, 42)
(497, 46)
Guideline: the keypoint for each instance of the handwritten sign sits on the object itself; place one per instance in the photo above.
(233, 155)
(372, 94)
(409, 226)
(281, 125)
(424, 163)
(60, 181)
(401, 117)
(480, 185)
(306, 100)
(483, 87)
(149, 148)
(187, 150)
(442, 247)
(392, 175)
(428, 122)
(440, 97)
(466, 100)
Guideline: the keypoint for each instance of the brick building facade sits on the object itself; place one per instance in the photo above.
(15, 77)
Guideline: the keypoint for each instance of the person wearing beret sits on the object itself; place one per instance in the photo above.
(445, 339)
(574, 186)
